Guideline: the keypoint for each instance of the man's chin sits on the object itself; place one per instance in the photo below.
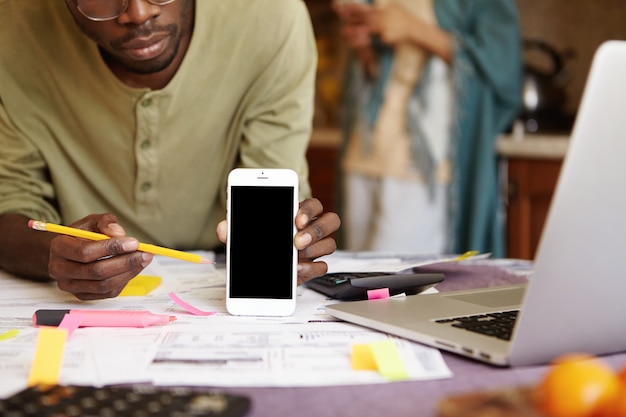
(147, 68)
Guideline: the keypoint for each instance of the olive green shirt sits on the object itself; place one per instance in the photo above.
(74, 140)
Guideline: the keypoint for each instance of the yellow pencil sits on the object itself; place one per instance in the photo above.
(143, 247)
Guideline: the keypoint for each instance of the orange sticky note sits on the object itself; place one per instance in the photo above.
(388, 360)
(46, 366)
(141, 285)
(362, 358)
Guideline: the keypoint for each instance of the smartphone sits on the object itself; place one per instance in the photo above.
(261, 259)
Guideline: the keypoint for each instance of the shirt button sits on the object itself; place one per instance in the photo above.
(146, 144)
(146, 186)
(146, 103)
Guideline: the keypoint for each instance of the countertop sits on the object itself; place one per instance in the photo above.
(323, 137)
(535, 146)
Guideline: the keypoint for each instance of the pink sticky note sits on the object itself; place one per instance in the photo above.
(377, 294)
(188, 307)
(71, 322)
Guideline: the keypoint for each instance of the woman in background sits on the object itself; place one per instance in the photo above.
(431, 86)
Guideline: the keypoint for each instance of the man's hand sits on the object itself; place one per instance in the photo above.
(312, 240)
(96, 269)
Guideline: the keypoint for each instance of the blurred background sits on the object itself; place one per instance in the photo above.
(559, 41)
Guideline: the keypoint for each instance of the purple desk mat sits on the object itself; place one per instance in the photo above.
(413, 398)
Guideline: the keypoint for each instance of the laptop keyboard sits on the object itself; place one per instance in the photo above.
(499, 324)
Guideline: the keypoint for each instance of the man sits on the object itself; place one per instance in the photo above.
(138, 109)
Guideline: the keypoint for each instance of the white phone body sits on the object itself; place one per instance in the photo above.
(261, 259)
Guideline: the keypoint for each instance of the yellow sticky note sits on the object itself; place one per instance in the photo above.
(141, 285)
(466, 255)
(9, 334)
(388, 360)
(362, 358)
(46, 366)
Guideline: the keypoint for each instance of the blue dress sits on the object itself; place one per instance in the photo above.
(487, 77)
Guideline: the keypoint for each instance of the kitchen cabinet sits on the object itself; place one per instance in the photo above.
(322, 158)
(531, 169)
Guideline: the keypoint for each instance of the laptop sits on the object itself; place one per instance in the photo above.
(574, 301)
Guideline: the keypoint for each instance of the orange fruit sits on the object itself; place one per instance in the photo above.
(622, 375)
(577, 385)
(616, 407)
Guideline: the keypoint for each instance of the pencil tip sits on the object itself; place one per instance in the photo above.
(206, 261)
(172, 318)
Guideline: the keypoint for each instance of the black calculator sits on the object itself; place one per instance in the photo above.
(118, 401)
(355, 285)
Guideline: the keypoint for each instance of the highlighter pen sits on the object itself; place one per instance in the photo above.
(103, 318)
(143, 247)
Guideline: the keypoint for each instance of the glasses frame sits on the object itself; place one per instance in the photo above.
(124, 8)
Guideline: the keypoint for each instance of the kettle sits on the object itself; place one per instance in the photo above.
(544, 89)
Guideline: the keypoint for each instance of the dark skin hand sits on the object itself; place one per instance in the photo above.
(93, 270)
(312, 240)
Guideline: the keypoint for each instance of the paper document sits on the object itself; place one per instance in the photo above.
(345, 261)
(309, 348)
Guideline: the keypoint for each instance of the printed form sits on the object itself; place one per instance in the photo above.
(309, 348)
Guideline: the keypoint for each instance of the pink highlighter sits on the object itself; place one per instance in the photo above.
(103, 318)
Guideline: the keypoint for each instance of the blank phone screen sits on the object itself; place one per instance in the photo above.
(261, 242)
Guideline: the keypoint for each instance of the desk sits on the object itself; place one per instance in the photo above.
(414, 398)
(399, 399)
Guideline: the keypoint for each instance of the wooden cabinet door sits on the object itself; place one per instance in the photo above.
(531, 184)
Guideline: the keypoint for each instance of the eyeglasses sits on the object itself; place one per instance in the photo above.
(101, 10)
